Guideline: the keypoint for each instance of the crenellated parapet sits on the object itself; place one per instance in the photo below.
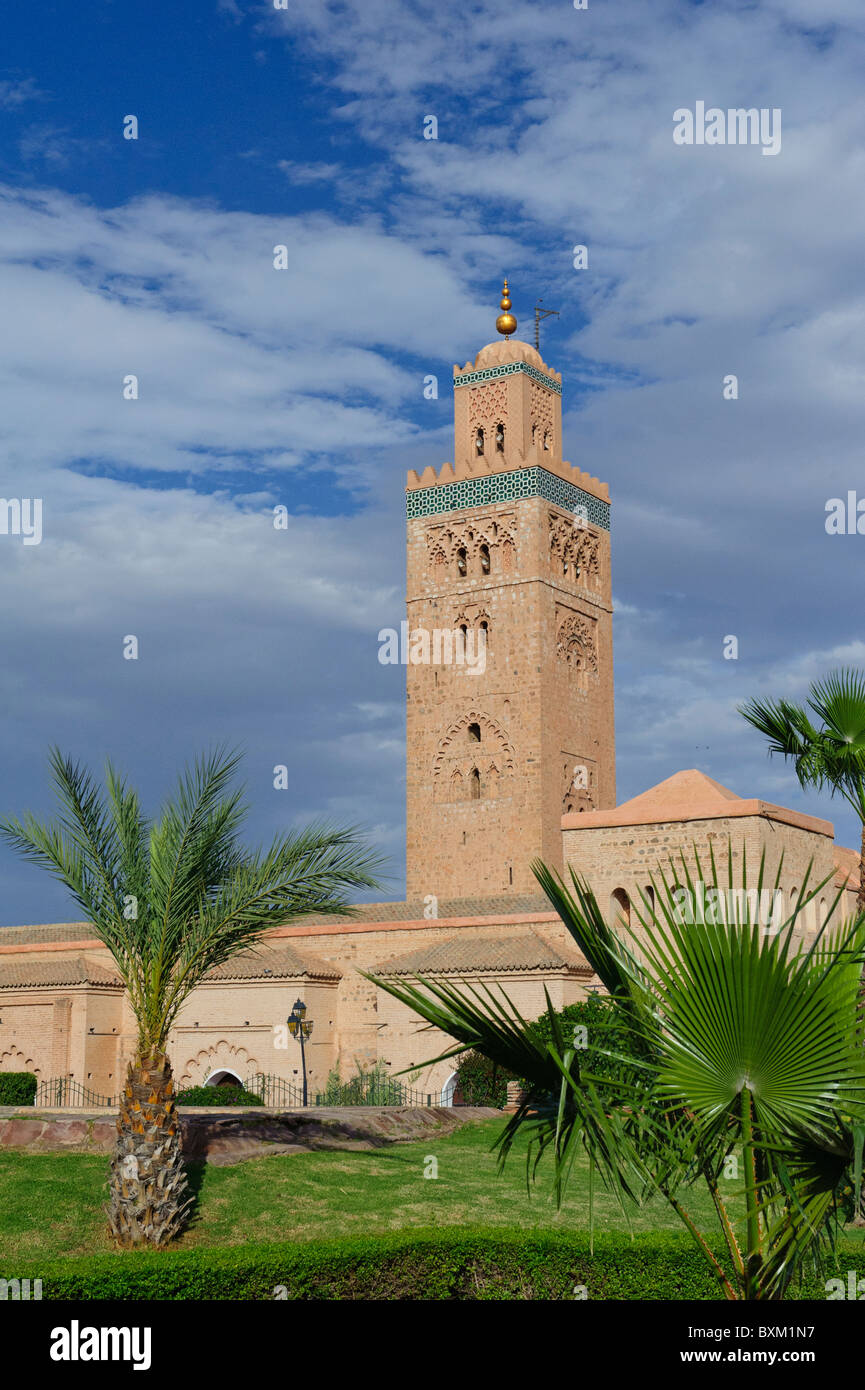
(454, 488)
(485, 468)
(504, 359)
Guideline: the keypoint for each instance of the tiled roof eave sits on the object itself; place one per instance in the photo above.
(492, 971)
(271, 975)
(116, 985)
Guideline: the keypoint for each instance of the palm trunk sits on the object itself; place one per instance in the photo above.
(754, 1252)
(860, 896)
(149, 1197)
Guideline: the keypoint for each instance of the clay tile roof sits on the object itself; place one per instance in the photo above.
(31, 974)
(691, 795)
(690, 787)
(504, 904)
(284, 963)
(47, 931)
(458, 955)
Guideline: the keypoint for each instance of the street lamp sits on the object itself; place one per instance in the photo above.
(300, 1027)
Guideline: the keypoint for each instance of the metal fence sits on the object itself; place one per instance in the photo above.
(62, 1090)
(274, 1091)
(360, 1091)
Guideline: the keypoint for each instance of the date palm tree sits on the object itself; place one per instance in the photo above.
(741, 1046)
(170, 899)
(829, 754)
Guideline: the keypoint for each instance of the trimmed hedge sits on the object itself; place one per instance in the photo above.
(17, 1087)
(217, 1095)
(458, 1263)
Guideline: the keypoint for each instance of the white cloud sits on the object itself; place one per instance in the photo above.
(555, 128)
(17, 91)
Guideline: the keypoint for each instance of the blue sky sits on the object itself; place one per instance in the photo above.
(260, 127)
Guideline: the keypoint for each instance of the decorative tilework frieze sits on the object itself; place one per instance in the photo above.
(506, 487)
(507, 369)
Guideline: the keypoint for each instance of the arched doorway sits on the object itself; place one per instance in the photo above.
(448, 1089)
(223, 1078)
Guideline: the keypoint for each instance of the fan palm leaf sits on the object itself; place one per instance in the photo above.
(739, 1037)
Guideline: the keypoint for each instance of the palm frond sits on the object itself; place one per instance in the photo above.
(174, 898)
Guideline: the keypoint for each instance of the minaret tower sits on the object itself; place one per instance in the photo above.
(508, 555)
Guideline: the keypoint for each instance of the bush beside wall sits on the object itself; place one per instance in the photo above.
(17, 1087)
(217, 1095)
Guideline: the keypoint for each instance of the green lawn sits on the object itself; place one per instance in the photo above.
(51, 1204)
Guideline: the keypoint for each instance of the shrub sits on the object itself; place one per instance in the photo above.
(465, 1264)
(17, 1087)
(603, 1034)
(373, 1087)
(217, 1095)
(480, 1081)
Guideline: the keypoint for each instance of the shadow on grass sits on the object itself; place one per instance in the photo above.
(216, 1138)
(195, 1181)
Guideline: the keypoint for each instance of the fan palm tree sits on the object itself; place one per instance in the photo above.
(831, 754)
(171, 899)
(738, 1040)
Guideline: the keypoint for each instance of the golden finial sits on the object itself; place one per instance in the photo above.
(506, 323)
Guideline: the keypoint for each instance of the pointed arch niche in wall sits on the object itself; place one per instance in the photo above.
(457, 758)
(224, 1077)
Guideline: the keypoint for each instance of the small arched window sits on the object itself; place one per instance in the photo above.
(479, 440)
(474, 733)
(620, 907)
(500, 439)
(547, 439)
(475, 784)
(484, 554)
(534, 434)
(462, 562)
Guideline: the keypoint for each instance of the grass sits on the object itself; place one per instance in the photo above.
(51, 1204)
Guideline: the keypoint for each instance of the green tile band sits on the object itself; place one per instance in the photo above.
(490, 373)
(505, 487)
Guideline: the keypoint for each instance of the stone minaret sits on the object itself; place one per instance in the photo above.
(508, 556)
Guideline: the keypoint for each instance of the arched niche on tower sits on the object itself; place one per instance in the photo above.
(474, 760)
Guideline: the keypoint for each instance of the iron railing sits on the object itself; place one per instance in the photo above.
(362, 1091)
(274, 1091)
(62, 1090)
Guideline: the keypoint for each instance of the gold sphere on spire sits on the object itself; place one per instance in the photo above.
(506, 323)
